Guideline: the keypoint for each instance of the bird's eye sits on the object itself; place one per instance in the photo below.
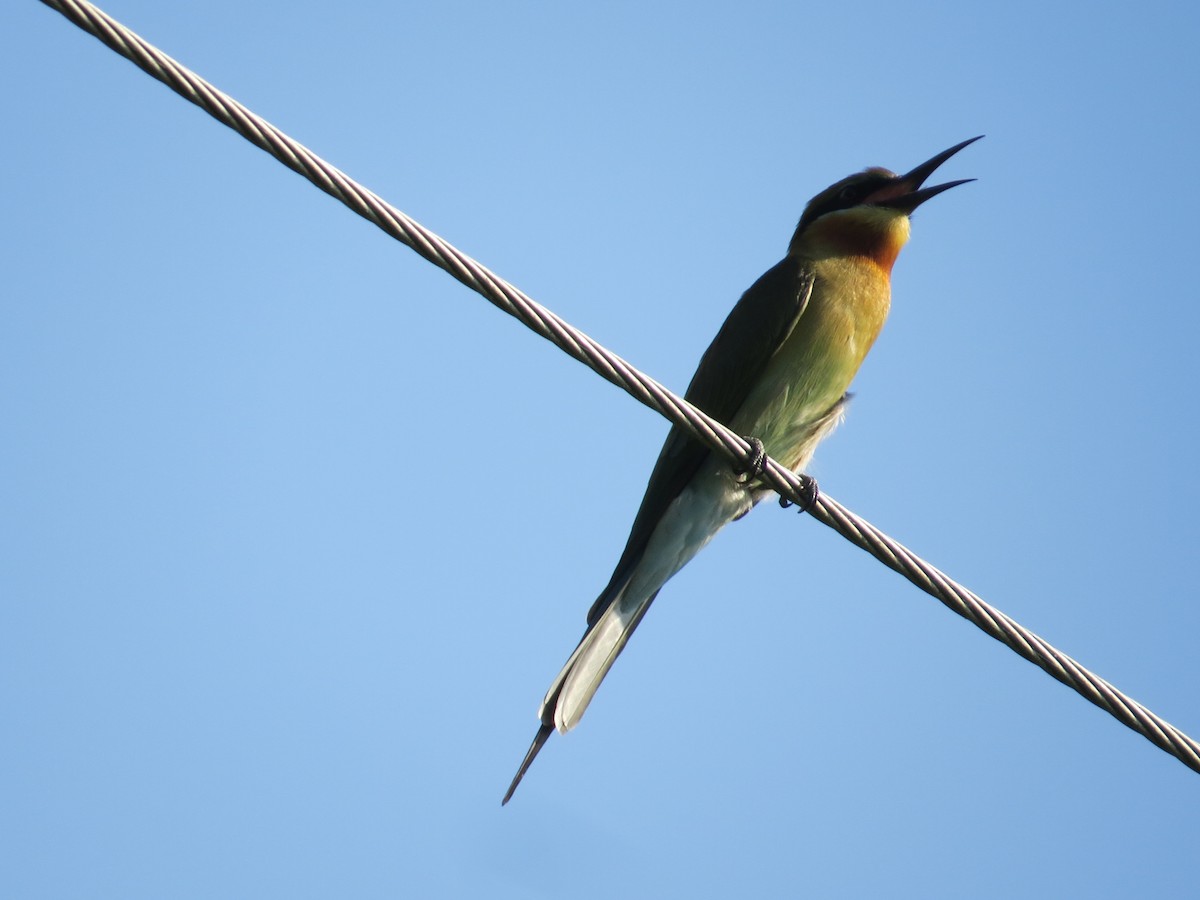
(849, 194)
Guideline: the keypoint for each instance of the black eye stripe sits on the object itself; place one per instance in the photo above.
(846, 194)
(854, 194)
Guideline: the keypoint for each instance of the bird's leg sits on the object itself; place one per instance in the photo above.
(809, 492)
(756, 462)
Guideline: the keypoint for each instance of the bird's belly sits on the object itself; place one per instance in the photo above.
(793, 408)
(712, 499)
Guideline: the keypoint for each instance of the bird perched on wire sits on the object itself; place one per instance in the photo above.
(777, 372)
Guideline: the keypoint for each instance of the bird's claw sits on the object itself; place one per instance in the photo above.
(756, 462)
(809, 492)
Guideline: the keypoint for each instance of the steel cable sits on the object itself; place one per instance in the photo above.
(616, 370)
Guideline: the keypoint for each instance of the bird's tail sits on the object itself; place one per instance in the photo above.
(602, 643)
(572, 690)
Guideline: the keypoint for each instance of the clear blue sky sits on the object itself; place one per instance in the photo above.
(294, 529)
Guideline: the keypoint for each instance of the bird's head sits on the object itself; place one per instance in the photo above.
(866, 214)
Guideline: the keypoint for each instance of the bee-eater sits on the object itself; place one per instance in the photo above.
(777, 371)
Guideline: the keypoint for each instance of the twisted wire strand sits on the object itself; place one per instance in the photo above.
(619, 372)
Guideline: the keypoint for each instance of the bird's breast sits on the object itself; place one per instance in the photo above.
(788, 410)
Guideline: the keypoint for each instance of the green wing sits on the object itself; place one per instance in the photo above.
(733, 362)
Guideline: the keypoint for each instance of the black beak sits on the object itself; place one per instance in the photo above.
(906, 193)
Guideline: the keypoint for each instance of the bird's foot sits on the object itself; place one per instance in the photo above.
(809, 492)
(756, 462)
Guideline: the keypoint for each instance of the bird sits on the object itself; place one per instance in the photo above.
(778, 371)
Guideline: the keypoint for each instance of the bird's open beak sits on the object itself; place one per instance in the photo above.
(906, 193)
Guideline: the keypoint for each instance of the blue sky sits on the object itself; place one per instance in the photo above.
(296, 529)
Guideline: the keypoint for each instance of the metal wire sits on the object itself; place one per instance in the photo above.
(616, 370)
